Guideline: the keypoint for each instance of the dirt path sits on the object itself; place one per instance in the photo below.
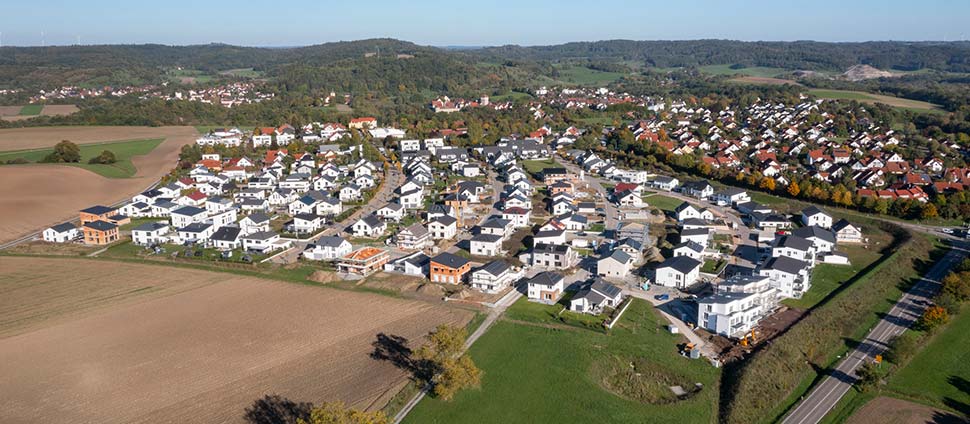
(35, 196)
(191, 346)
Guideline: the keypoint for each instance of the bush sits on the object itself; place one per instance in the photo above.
(17, 161)
(64, 152)
(933, 317)
(868, 377)
(903, 347)
(106, 157)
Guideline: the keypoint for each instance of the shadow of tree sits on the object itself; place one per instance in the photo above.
(395, 349)
(275, 409)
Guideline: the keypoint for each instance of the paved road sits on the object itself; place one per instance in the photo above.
(493, 315)
(612, 215)
(826, 394)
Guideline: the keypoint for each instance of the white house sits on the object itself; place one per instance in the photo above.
(254, 223)
(413, 237)
(520, 217)
(822, 239)
(790, 276)
(61, 233)
(494, 276)
(443, 227)
(678, 272)
(616, 265)
(263, 242)
(186, 215)
(486, 245)
(416, 264)
(687, 211)
(812, 215)
(391, 212)
(845, 232)
(227, 238)
(740, 303)
(596, 296)
(369, 226)
(327, 248)
(698, 189)
(690, 249)
(730, 196)
(545, 287)
(794, 247)
(150, 233)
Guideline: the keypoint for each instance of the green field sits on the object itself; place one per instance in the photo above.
(664, 203)
(827, 277)
(123, 150)
(524, 310)
(190, 76)
(939, 375)
(243, 72)
(31, 110)
(897, 102)
(539, 374)
(582, 75)
(511, 95)
(755, 71)
(536, 166)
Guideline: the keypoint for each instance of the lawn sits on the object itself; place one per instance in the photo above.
(534, 167)
(711, 267)
(31, 110)
(123, 150)
(939, 375)
(826, 278)
(511, 95)
(664, 203)
(538, 374)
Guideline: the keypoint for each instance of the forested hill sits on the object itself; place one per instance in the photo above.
(807, 55)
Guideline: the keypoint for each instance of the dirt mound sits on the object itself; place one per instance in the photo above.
(323, 277)
(864, 72)
(432, 290)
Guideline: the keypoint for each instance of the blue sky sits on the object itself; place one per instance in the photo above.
(483, 22)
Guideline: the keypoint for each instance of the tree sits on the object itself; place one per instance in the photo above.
(106, 157)
(793, 189)
(456, 374)
(65, 151)
(928, 211)
(475, 132)
(451, 370)
(868, 377)
(933, 317)
(767, 183)
(338, 413)
(957, 284)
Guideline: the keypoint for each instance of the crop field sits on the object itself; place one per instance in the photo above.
(31, 110)
(123, 150)
(897, 102)
(100, 341)
(535, 372)
(754, 71)
(36, 196)
(16, 113)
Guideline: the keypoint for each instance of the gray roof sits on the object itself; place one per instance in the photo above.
(794, 242)
(839, 226)
(692, 245)
(786, 264)
(496, 267)
(101, 225)
(486, 238)
(449, 260)
(226, 234)
(258, 217)
(417, 230)
(446, 220)
(150, 226)
(619, 256)
(371, 221)
(260, 235)
(98, 210)
(195, 227)
(546, 278)
(816, 232)
(496, 223)
(67, 226)
(329, 241)
(682, 264)
(189, 211)
(813, 210)
(549, 248)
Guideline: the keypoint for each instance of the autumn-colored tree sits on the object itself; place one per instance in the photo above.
(767, 183)
(456, 374)
(933, 317)
(928, 211)
(957, 284)
(793, 189)
(338, 413)
(452, 371)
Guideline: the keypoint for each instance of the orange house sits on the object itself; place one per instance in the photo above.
(448, 268)
(100, 232)
(96, 213)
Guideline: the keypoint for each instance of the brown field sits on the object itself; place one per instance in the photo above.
(888, 410)
(119, 342)
(12, 113)
(36, 196)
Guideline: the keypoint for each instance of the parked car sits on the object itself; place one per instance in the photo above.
(664, 296)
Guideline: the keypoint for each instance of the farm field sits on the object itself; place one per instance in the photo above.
(763, 80)
(550, 373)
(754, 71)
(36, 196)
(111, 345)
(897, 102)
(16, 113)
(897, 411)
(123, 150)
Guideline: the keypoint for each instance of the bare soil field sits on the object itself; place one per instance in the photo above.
(58, 110)
(888, 410)
(35, 196)
(106, 342)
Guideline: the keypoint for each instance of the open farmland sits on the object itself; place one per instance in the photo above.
(123, 150)
(16, 113)
(897, 102)
(39, 195)
(122, 342)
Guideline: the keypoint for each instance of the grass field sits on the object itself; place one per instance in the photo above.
(536, 166)
(123, 150)
(582, 75)
(524, 310)
(31, 110)
(827, 277)
(756, 71)
(664, 203)
(243, 72)
(511, 95)
(940, 374)
(898, 102)
(540, 374)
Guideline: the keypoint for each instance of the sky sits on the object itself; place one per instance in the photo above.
(474, 23)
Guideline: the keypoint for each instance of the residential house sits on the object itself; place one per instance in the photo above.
(391, 212)
(448, 268)
(494, 277)
(845, 232)
(61, 233)
(545, 287)
(737, 306)
(417, 264)
(790, 276)
(443, 227)
(486, 245)
(412, 237)
(327, 248)
(227, 238)
(616, 265)
(363, 261)
(369, 226)
(595, 296)
(99, 232)
(254, 223)
(150, 233)
(699, 189)
(678, 272)
(555, 256)
(812, 215)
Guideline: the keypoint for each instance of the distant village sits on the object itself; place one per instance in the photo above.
(226, 95)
